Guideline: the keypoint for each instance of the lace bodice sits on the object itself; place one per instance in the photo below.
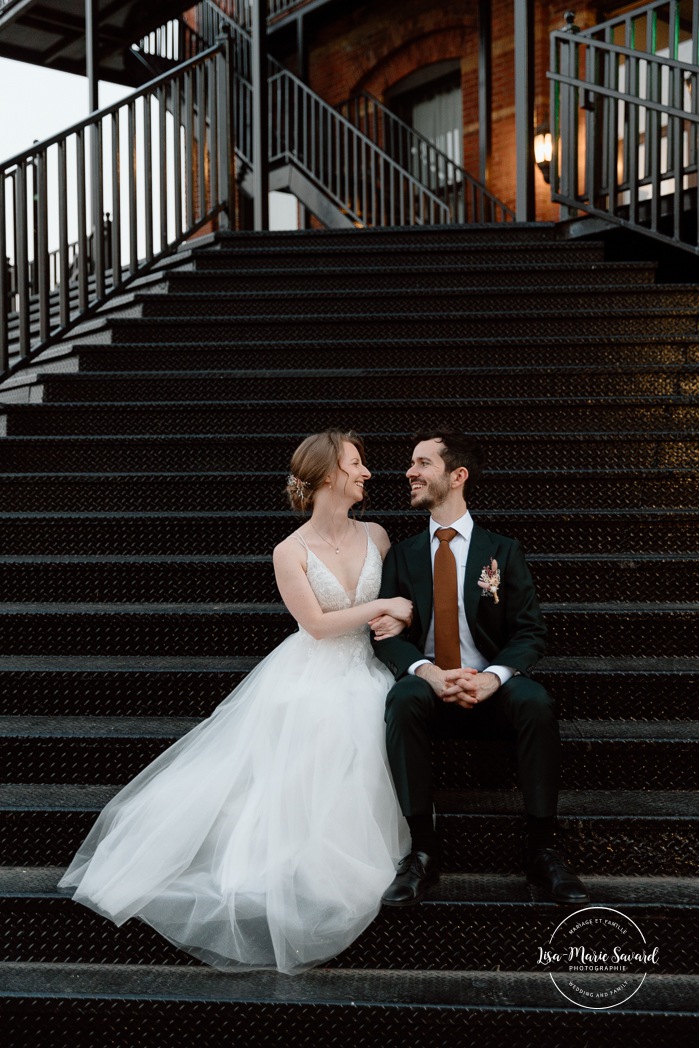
(332, 596)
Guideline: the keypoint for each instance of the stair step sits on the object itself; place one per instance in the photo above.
(453, 272)
(229, 533)
(563, 415)
(615, 832)
(595, 754)
(512, 382)
(319, 327)
(266, 491)
(630, 577)
(401, 354)
(417, 302)
(65, 1004)
(157, 686)
(217, 453)
(446, 934)
(254, 629)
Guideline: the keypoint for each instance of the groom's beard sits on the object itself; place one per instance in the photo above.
(433, 494)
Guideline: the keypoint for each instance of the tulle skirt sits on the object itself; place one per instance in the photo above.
(266, 836)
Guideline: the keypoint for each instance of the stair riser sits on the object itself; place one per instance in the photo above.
(485, 764)
(409, 354)
(627, 633)
(249, 492)
(442, 936)
(415, 302)
(254, 419)
(471, 844)
(330, 328)
(628, 580)
(226, 536)
(53, 693)
(220, 454)
(71, 1023)
(77, 388)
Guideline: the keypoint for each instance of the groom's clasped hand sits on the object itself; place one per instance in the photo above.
(464, 686)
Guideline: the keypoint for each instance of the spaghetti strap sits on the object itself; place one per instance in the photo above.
(300, 539)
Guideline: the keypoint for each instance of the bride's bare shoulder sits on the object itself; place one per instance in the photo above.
(291, 549)
(379, 536)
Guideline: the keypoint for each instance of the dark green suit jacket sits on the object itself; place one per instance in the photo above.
(509, 633)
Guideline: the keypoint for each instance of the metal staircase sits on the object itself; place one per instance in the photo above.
(142, 483)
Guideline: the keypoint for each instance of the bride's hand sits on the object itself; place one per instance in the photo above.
(402, 609)
(386, 626)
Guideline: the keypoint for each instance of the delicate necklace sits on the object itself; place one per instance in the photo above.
(327, 541)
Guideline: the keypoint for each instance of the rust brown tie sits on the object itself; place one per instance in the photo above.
(447, 651)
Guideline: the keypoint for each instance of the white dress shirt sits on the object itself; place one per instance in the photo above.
(470, 655)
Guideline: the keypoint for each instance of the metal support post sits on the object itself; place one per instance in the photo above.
(524, 108)
(260, 115)
(485, 89)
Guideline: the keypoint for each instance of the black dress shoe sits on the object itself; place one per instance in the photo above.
(416, 872)
(549, 871)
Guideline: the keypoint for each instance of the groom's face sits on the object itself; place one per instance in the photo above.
(429, 481)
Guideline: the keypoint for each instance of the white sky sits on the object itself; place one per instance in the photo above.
(36, 103)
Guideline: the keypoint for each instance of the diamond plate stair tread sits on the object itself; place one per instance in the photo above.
(667, 804)
(500, 991)
(389, 514)
(212, 664)
(107, 727)
(22, 881)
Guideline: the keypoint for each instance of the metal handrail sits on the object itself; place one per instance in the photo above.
(625, 130)
(160, 158)
(359, 177)
(468, 199)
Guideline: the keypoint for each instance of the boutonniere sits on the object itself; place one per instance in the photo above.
(490, 580)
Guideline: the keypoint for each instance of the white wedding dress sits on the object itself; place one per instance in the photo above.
(266, 836)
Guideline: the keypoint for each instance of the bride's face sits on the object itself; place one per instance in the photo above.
(351, 474)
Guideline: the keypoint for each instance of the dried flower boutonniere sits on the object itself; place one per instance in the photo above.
(490, 580)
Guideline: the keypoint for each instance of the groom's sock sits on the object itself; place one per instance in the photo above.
(540, 833)
(423, 834)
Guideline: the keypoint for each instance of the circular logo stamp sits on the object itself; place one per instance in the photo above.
(598, 957)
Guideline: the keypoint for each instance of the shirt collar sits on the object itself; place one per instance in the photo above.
(464, 526)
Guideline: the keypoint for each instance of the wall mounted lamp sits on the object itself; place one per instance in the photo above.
(543, 151)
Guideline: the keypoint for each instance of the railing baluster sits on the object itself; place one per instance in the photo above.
(133, 189)
(162, 156)
(201, 140)
(176, 91)
(64, 261)
(188, 148)
(22, 258)
(4, 281)
(41, 262)
(148, 172)
(116, 200)
(97, 194)
(82, 221)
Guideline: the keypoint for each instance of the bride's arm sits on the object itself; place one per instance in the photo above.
(300, 600)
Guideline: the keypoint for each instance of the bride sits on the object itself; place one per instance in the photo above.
(265, 837)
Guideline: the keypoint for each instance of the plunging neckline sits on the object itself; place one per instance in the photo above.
(352, 600)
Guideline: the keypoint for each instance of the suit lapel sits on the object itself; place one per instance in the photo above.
(419, 564)
(480, 551)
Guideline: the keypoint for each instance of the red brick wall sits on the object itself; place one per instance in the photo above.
(375, 46)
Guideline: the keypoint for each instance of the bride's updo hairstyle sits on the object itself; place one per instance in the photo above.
(314, 458)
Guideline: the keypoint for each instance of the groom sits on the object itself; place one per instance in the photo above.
(463, 665)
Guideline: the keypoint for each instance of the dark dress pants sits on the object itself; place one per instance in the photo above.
(414, 715)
